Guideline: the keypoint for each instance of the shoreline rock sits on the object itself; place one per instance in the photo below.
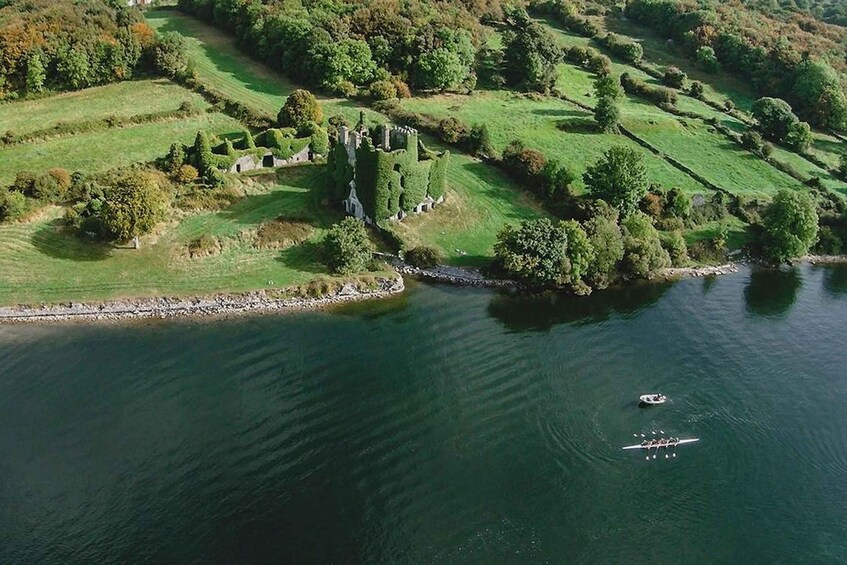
(255, 302)
(675, 273)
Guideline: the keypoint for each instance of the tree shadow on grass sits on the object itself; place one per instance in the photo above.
(561, 113)
(55, 240)
(579, 125)
(500, 185)
(305, 257)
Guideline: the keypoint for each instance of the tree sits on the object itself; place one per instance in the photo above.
(774, 116)
(606, 114)
(558, 178)
(36, 74)
(643, 251)
(817, 93)
(333, 62)
(300, 107)
(799, 136)
(842, 165)
(707, 60)
(448, 65)
(480, 141)
(538, 252)
(531, 56)
(13, 205)
(347, 246)
(170, 54)
(619, 178)
(790, 225)
(74, 67)
(607, 87)
(423, 257)
(607, 240)
(134, 205)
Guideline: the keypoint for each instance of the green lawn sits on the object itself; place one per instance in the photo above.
(39, 262)
(220, 64)
(512, 116)
(103, 150)
(122, 99)
(480, 200)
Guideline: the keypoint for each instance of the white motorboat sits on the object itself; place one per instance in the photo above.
(654, 398)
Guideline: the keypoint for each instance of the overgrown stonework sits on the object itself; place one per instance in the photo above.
(388, 178)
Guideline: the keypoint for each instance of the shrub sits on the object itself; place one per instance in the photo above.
(696, 89)
(643, 251)
(623, 47)
(401, 87)
(829, 243)
(674, 244)
(346, 89)
(383, 90)
(203, 246)
(752, 141)
(300, 107)
(656, 94)
(62, 178)
(799, 137)
(13, 206)
(451, 130)
(479, 142)
(706, 59)
(557, 178)
(675, 78)
(774, 116)
(767, 150)
(347, 247)
(842, 165)
(186, 174)
(523, 163)
(423, 257)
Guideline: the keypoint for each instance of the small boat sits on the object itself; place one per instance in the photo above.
(654, 398)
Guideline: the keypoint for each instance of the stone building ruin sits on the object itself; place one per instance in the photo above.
(386, 177)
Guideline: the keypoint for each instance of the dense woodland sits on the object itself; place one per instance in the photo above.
(68, 45)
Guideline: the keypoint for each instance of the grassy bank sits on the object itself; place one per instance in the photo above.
(121, 99)
(40, 262)
(103, 150)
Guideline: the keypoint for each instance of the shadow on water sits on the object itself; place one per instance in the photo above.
(835, 280)
(772, 292)
(539, 313)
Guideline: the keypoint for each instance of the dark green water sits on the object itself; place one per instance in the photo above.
(448, 425)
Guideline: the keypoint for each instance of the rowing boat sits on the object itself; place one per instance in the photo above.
(656, 445)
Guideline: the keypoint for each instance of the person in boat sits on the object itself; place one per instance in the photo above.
(644, 442)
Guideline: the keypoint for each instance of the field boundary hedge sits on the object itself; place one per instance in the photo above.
(186, 110)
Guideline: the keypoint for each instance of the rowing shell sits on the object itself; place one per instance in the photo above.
(680, 442)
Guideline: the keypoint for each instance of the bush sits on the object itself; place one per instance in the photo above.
(403, 90)
(523, 163)
(423, 257)
(656, 94)
(479, 142)
(706, 59)
(643, 251)
(62, 178)
(619, 177)
(696, 89)
(300, 107)
(799, 137)
(13, 206)
(675, 78)
(674, 244)
(346, 89)
(775, 117)
(451, 130)
(186, 174)
(347, 247)
(383, 90)
(752, 141)
(627, 49)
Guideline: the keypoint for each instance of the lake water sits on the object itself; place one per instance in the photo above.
(446, 425)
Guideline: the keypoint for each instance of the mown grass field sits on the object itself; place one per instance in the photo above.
(220, 64)
(40, 262)
(122, 99)
(102, 150)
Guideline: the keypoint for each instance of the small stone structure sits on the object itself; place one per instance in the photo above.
(386, 177)
(252, 162)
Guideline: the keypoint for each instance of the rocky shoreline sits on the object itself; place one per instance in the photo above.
(213, 305)
(674, 273)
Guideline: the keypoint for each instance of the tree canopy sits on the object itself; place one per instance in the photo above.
(619, 178)
(300, 108)
(790, 224)
(134, 205)
(347, 247)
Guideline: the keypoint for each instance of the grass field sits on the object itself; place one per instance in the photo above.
(103, 150)
(39, 262)
(220, 64)
(122, 99)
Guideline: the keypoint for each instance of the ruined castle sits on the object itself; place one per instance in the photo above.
(387, 177)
